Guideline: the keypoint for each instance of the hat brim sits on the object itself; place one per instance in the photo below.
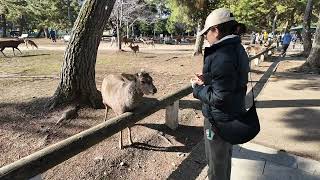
(203, 31)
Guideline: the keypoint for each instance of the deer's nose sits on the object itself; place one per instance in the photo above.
(154, 90)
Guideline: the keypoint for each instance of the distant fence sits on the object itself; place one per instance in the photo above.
(42, 160)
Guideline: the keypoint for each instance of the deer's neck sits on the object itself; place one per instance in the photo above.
(134, 95)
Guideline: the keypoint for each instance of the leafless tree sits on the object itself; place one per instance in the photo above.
(128, 12)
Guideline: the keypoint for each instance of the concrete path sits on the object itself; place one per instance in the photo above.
(255, 162)
(289, 112)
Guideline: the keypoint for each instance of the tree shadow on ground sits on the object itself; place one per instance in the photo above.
(288, 103)
(301, 126)
(34, 118)
(306, 120)
(10, 56)
(190, 104)
(15, 112)
(32, 55)
(186, 135)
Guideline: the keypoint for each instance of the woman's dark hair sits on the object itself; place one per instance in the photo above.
(230, 27)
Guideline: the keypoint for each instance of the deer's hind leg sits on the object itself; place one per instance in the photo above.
(13, 52)
(19, 50)
(2, 52)
(106, 112)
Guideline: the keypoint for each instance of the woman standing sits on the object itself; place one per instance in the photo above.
(221, 87)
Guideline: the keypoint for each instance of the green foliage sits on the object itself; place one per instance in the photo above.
(187, 13)
(160, 26)
(144, 27)
(259, 14)
(32, 14)
(256, 14)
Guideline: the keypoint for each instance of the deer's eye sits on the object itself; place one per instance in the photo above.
(142, 82)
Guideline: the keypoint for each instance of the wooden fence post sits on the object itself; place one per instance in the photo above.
(37, 177)
(261, 59)
(172, 112)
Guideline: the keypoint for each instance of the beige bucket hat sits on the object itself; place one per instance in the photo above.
(218, 16)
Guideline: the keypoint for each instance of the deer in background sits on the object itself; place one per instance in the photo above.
(148, 42)
(127, 40)
(31, 43)
(134, 48)
(11, 44)
(122, 93)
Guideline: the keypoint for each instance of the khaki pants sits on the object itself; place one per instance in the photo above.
(218, 154)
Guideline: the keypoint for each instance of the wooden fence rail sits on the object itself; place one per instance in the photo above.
(42, 160)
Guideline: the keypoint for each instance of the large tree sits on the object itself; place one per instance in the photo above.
(313, 61)
(306, 34)
(77, 78)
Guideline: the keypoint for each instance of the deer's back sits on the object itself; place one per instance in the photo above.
(118, 93)
(10, 43)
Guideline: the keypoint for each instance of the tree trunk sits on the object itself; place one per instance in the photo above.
(46, 32)
(22, 24)
(132, 31)
(69, 14)
(77, 78)
(127, 24)
(313, 60)
(119, 30)
(274, 24)
(199, 40)
(306, 34)
(4, 25)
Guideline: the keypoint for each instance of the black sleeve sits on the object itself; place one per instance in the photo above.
(223, 82)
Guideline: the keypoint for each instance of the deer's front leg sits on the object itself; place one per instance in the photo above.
(120, 140)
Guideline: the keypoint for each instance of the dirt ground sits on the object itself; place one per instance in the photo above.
(29, 79)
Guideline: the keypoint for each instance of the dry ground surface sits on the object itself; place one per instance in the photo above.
(29, 79)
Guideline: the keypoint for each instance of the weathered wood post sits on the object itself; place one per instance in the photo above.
(172, 115)
(37, 177)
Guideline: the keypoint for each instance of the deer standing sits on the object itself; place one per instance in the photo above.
(124, 92)
(134, 48)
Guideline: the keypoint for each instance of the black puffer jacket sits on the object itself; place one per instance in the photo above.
(225, 71)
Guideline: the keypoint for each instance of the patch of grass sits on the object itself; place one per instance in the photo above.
(32, 63)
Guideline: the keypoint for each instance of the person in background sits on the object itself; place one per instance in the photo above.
(253, 37)
(257, 38)
(53, 35)
(286, 42)
(294, 40)
(261, 39)
(114, 36)
(265, 36)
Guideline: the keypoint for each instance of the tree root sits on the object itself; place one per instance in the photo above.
(306, 68)
(70, 113)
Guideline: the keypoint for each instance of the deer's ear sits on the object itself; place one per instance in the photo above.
(142, 71)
